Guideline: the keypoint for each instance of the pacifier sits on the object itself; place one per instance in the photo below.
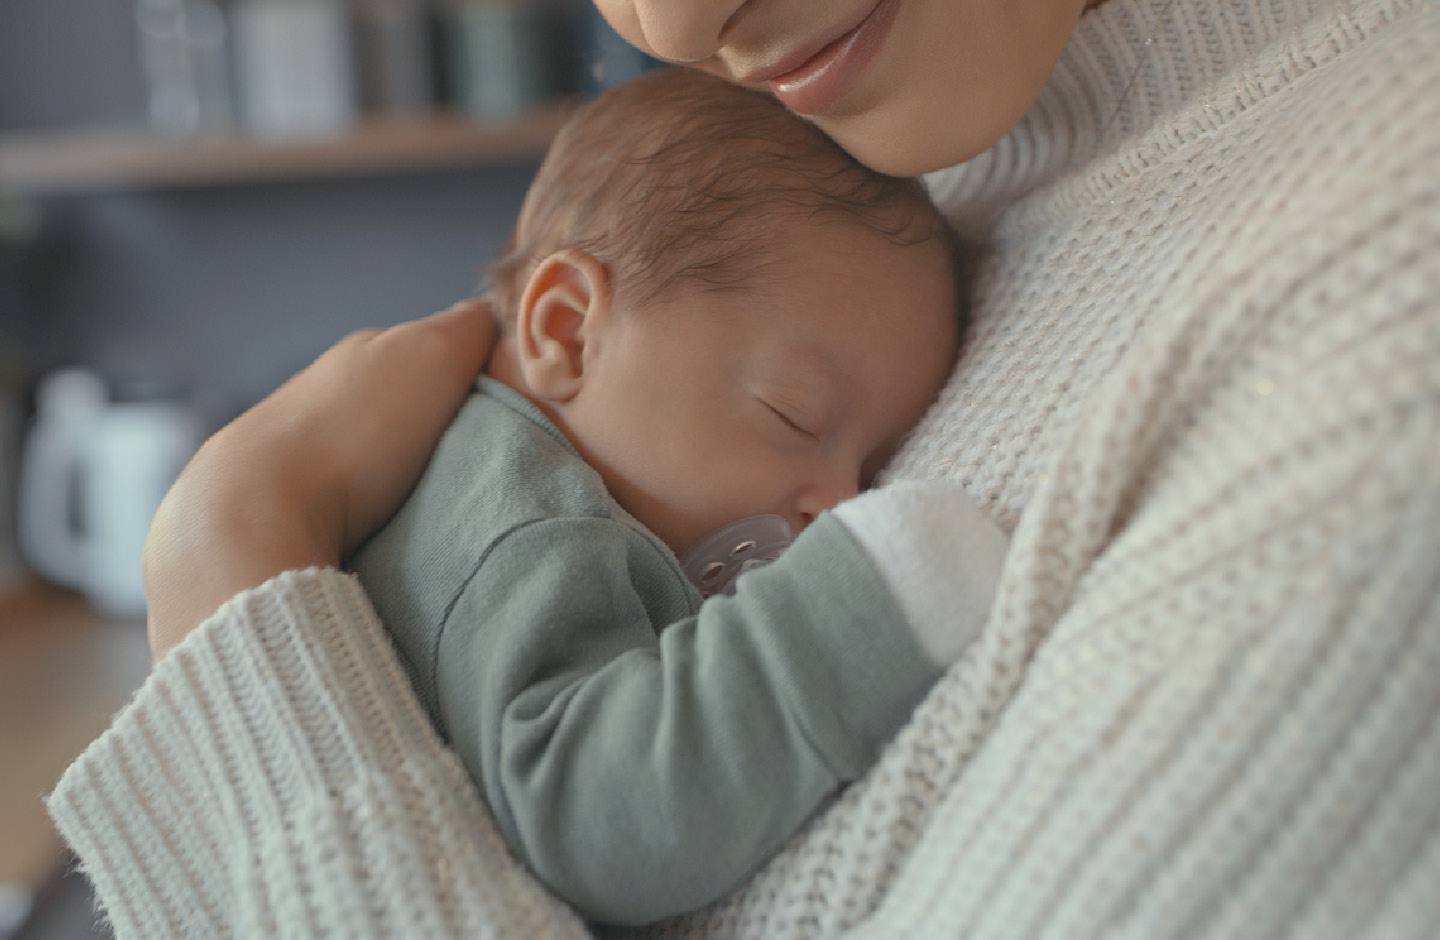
(730, 551)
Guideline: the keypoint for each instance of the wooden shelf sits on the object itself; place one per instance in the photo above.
(48, 164)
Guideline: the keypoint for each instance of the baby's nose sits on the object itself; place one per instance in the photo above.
(826, 493)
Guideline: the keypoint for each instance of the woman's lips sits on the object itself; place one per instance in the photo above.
(829, 74)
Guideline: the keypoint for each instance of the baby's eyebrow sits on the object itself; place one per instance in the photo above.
(810, 366)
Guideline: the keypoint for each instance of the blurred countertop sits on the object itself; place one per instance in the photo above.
(64, 672)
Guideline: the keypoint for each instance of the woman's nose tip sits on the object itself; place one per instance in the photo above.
(683, 31)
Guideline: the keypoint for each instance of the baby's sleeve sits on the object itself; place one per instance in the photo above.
(642, 772)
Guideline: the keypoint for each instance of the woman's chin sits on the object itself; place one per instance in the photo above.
(908, 145)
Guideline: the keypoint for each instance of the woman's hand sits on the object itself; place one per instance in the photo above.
(301, 478)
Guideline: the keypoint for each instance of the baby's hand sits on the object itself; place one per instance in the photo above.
(303, 477)
(940, 554)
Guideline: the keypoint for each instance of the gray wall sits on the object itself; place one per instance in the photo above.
(68, 62)
(226, 291)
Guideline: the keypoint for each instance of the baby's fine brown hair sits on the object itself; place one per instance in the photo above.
(678, 175)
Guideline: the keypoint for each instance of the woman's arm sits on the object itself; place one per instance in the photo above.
(275, 775)
(303, 476)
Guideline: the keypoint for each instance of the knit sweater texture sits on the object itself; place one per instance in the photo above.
(1200, 389)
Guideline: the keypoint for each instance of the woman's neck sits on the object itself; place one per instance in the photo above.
(1129, 63)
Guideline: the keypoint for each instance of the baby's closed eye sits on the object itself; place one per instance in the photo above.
(789, 419)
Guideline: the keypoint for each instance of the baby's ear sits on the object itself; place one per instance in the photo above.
(568, 292)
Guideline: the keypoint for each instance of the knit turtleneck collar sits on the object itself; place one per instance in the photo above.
(1129, 64)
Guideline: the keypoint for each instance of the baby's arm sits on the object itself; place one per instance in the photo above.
(642, 777)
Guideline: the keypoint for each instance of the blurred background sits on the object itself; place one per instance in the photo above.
(196, 198)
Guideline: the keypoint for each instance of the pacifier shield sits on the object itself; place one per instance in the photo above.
(730, 551)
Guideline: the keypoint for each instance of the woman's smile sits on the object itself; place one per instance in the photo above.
(818, 77)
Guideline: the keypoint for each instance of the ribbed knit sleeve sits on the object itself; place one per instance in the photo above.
(276, 777)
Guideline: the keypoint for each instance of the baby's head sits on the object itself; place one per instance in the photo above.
(724, 312)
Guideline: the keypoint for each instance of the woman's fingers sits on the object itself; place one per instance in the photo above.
(367, 419)
(302, 477)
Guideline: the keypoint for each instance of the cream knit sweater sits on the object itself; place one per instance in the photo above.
(1202, 392)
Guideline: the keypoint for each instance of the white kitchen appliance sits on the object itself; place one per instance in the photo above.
(92, 474)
